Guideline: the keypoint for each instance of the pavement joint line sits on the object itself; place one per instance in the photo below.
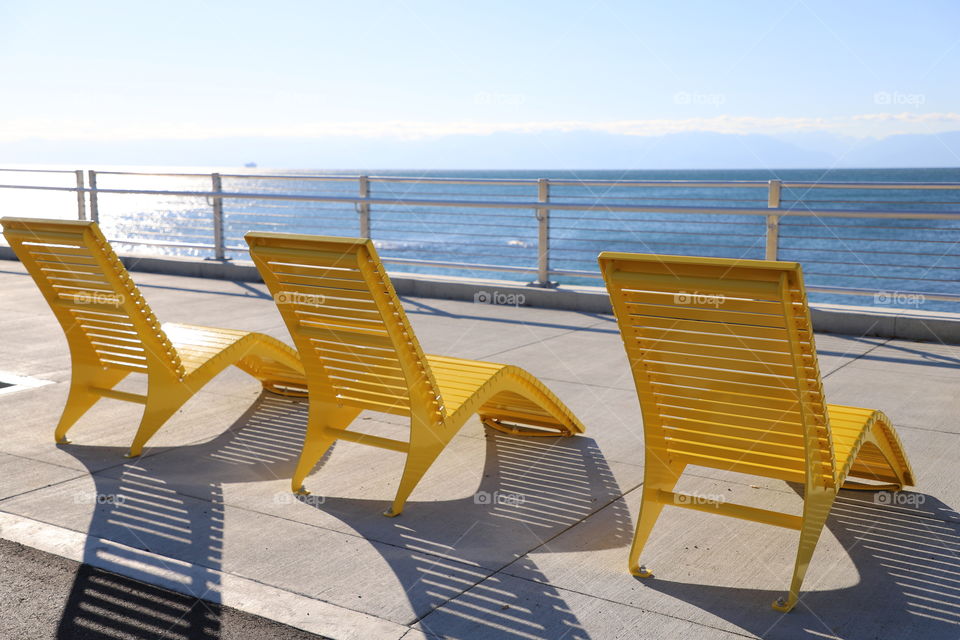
(52, 464)
(857, 357)
(589, 384)
(915, 428)
(533, 343)
(46, 486)
(83, 473)
(238, 592)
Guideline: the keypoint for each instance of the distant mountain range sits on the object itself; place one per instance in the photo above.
(551, 150)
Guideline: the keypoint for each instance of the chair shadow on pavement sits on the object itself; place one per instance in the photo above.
(170, 525)
(908, 558)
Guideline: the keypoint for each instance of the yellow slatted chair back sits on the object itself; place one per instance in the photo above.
(724, 361)
(354, 339)
(106, 320)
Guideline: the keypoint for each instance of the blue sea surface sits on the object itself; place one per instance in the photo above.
(897, 257)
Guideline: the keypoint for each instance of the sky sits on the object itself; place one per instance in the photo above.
(120, 72)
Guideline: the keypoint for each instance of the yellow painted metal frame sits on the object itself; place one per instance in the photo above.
(723, 357)
(112, 333)
(359, 352)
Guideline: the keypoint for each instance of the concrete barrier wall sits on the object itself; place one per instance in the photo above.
(849, 320)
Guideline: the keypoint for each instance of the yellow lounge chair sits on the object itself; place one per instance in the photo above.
(360, 352)
(112, 333)
(725, 366)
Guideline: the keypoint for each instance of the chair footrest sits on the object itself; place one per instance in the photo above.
(544, 430)
(126, 396)
(698, 503)
(863, 486)
(366, 438)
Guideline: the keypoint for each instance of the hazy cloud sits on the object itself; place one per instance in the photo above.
(877, 125)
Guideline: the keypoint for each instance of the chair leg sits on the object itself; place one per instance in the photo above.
(160, 407)
(657, 476)
(323, 417)
(419, 459)
(816, 508)
(80, 398)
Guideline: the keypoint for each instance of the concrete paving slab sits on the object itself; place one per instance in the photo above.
(925, 402)
(835, 350)
(913, 358)
(24, 475)
(31, 417)
(601, 360)
(879, 571)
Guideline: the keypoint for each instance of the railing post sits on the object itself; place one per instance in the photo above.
(773, 221)
(81, 197)
(94, 200)
(219, 252)
(543, 235)
(364, 209)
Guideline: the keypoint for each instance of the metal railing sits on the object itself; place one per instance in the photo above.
(908, 241)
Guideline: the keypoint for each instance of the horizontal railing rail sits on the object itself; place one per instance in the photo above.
(519, 204)
(906, 243)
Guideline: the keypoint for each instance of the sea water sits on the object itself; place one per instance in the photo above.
(898, 258)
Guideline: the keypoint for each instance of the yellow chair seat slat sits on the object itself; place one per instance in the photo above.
(743, 336)
(703, 334)
(369, 337)
(770, 404)
(716, 429)
(702, 352)
(696, 300)
(638, 312)
(697, 285)
(726, 372)
(111, 331)
(289, 275)
(360, 352)
(745, 409)
(750, 363)
(738, 386)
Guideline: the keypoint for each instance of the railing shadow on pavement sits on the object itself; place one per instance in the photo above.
(165, 527)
